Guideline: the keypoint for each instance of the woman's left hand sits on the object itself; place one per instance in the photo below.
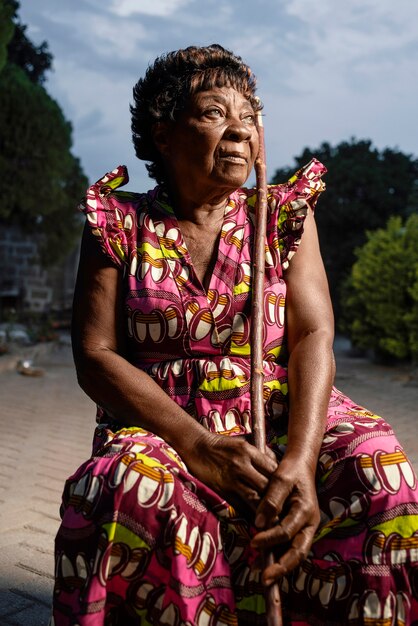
(287, 517)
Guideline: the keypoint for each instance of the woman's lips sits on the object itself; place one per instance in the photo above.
(234, 157)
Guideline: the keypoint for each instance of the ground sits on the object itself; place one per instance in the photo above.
(46, 425)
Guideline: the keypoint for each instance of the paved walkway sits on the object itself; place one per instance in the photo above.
(46, 424)
(45, 435)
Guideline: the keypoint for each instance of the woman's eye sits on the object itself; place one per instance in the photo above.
(249, 119)
(215, 112)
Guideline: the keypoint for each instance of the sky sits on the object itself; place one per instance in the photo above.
(326, 70)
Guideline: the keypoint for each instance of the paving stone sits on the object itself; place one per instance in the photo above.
(35, 614)
(10, 603)
(47, 425)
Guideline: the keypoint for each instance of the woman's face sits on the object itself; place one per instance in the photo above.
(212, 146)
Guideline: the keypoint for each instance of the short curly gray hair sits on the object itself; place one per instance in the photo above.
(168, 84)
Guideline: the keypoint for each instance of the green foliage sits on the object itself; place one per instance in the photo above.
(41, 180)
(7, 28)
(381, 306)
(411, 316)
(365, 187)
(35, 61)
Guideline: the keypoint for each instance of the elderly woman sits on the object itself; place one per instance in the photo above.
(164, 524)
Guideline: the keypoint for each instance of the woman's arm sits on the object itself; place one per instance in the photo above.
(99, 345)
(310, 336)
(229, 465)
(310, 333)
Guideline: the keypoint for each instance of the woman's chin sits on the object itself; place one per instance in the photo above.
(233, 178)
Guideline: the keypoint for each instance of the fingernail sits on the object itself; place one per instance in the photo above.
(260, 520)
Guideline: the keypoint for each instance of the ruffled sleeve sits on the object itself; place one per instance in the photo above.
(292, 201)
(111, 215)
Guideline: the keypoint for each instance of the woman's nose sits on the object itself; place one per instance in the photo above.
(237, 131)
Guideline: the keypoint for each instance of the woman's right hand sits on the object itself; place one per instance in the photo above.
(232, 467)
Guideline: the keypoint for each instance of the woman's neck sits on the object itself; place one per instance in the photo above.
(201, 209)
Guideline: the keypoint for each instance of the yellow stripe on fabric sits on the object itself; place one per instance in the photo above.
(236, 350)
(146, 247)
(404, 525)
(151, 472)
(142, 614)
(171, 252)
(364, 413)
(275, 384)
(394, 458)
(325, 477)
(222, 384)
(116, 182)
(117, 249)
(120, 534)
(283, 215)
(275, 352)
(150, 462)
(241, 288)
(254, 604)
(334, 523)
(385, 459)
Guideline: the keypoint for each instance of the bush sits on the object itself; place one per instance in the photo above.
(381, 294)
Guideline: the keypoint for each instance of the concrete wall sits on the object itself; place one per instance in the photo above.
(24, 284)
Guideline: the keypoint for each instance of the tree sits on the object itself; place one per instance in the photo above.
(365, 187)
(411, 318)
(7, 28)
(41, 180)
(381, 294)
(34, 60)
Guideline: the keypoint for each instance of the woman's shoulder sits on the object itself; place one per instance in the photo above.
(305, 185)
(289, 203)
(113, 215)
(294, 199)
(105, 194)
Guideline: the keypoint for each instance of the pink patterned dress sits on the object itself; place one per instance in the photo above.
(142, 541)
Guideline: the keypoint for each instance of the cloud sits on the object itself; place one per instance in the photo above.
(99, 34)
(358, 31)
(324, 74)
(351, 75)
(157, 8)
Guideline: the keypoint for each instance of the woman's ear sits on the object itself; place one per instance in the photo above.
(161, 137)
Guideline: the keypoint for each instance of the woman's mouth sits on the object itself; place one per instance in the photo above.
(234, 157)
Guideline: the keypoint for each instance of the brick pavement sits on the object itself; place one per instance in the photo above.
(45, 435)
(389, 392)
(45, 425)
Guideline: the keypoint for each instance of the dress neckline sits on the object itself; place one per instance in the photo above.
(162, 204)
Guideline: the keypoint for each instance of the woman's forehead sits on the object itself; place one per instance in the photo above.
(224, 95)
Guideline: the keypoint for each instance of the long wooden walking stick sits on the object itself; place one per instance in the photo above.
(273, 603)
